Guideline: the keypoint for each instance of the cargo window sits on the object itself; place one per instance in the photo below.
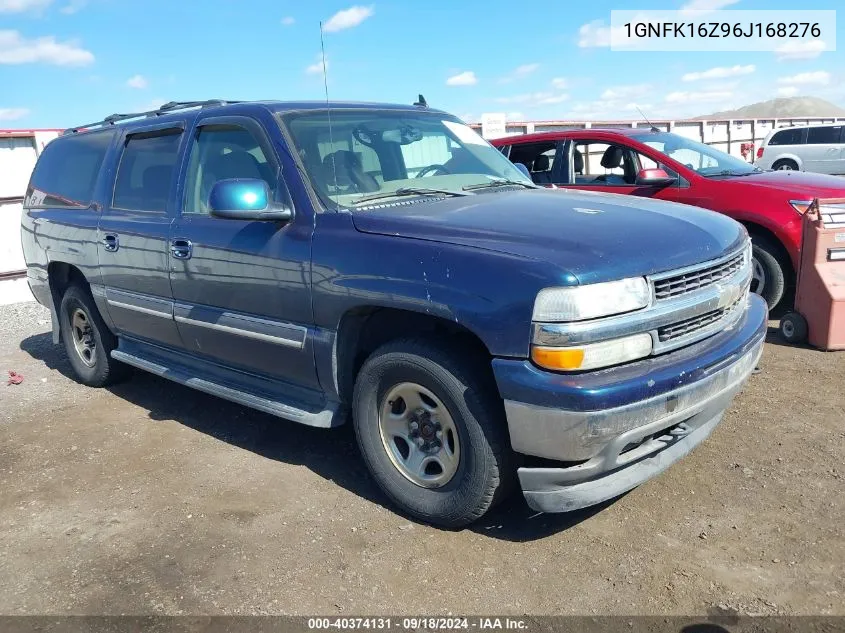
(66, 173)
(790, 136)
(146, 171)
(221, 152)
(824, 135)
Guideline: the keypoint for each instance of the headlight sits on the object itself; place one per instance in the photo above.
(593, 355)
(590, 301)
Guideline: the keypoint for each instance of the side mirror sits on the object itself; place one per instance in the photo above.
(654, 178)
(521, 167)
(245, 199)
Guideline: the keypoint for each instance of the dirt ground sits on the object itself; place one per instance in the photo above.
(151, 498)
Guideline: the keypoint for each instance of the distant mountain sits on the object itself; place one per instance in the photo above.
(792, 107)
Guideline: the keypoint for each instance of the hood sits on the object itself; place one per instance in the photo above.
(795, 184)
(593, 236)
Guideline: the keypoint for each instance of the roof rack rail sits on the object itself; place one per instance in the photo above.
(167, 108)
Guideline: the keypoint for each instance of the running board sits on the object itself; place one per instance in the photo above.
(326, 418)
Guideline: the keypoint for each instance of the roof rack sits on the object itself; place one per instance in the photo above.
(167, 108)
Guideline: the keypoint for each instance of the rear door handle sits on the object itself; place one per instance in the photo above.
(181, 248)
(110, 243)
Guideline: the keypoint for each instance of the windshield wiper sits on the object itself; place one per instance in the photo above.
(728, 172)
(501, 182)
(409, 191)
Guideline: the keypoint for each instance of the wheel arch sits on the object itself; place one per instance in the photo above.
(60, 275)
(363, 329)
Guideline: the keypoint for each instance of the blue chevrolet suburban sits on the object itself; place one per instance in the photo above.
(384, 264)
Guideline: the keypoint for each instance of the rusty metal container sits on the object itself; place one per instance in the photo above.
(819, 316)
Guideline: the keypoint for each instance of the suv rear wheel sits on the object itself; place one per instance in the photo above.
(88, 341)
(431, 429)
(785, 164)
(768, 270)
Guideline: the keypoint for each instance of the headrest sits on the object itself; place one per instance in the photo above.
(612, 157)
(541, 163)
(578, 161)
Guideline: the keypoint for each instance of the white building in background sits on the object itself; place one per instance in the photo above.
(19, 149)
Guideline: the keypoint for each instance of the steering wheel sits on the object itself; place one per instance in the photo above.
(436, 170)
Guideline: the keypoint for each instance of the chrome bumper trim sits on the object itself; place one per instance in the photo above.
(601, 436)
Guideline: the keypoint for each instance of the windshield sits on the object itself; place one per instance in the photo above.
(374, 153)
(706, 160)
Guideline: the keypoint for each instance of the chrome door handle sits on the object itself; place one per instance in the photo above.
(181, 248)
(110, 243)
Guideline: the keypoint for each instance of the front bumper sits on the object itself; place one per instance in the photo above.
(624, 425)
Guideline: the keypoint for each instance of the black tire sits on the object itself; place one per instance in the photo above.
(485, 469)
(786, 164)
(99, 369)
(774, 268)
(793, 328)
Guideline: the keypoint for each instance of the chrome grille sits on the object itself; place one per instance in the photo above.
(688, 326)
(697, 279)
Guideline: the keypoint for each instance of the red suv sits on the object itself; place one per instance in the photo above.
(652, 163)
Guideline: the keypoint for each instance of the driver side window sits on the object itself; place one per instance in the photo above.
(220, 152)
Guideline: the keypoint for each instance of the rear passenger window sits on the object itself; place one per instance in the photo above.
(824, 135)
(66, 173)
(792, 136)
(146, 171)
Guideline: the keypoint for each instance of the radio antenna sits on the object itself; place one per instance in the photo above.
(328, 111)
(653, 129)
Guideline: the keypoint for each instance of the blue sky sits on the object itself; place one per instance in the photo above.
(67, 62)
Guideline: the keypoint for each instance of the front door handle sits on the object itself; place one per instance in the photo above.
(181, 248)
(110, 243)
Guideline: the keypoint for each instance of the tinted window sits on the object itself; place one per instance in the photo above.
(793, 136)
(220, 152)
(824, 135)
(67, 170)
(146, 171)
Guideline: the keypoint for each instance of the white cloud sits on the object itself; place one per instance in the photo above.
(560, 83)
(348, 18)
(787, 91)
(706, 5)
(10, 114)
(690, 97)
(597, 34)
(626, 92)
(535, 98)
(819, 78)
(720, 72)
(801, 49)
(317, 67)
(15, 49)
(74, 6)
(153, 104)
(515, 116)
(19, 6)
(466, 78)
(594, 34)
(138, 81)
(287, 21)
(519, 72)
(525, 69)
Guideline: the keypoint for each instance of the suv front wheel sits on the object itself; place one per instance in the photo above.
(431, 429)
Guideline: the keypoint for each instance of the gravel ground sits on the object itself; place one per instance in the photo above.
(151, 498)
